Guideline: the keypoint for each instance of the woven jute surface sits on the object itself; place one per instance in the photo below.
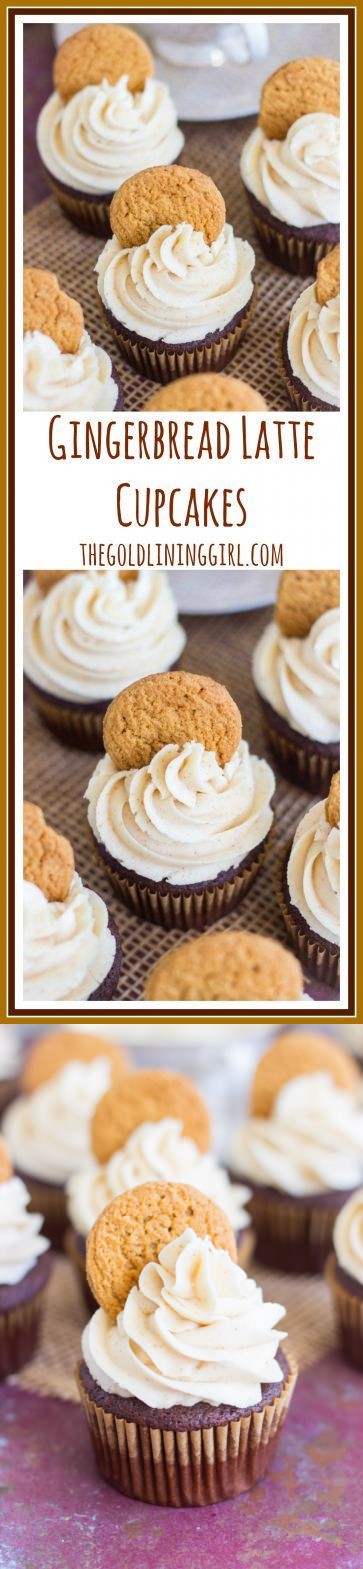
(50, 240)
(309, 1324)
(55, 776)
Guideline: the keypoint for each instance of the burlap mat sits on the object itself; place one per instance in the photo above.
(309, 1324)
(56, 777)
(51, 241)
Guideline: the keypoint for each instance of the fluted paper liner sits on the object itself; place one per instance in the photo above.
(349, 1310)
(19, 1330)
(294, 1234)
(317, 957)
(163, 363)
(297, 253)
(94, 216)
(200, 1466)
(174, 909)
(312, 769)
(78, 1259)
(76, 726)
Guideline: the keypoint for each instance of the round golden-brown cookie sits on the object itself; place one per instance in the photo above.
(147, 1097)
(208, 391)
(166, 196)
(304, 596)
(175, 707)
(51, 1053)
(333, 802)
(233, 966)
(296, 1052)
(133, 1229)
(310, 86)
(6, 1168)
(105, 49)
(48, 857)
(47, 309)
(328, 276)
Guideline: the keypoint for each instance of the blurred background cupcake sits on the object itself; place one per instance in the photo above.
(296, 668)
(11, 1051)
(344, 1274)
(71, 946)
(24, 1270)
(290, 164)
(311, 341)
(62, 367)
(309, 888)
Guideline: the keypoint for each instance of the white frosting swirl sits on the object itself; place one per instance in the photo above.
(20, 1243)
(95, 633)
(155, 1152)
(55, 380)
(313, 873)
(348, 1236)
(300, 676)
(68, 948)
(48, 1132)
(10, 1051)
(311, 1143)
(193, 1329)
(105, 134)
(183, 817)
(177, 287)
(297, 178)
(313, 345)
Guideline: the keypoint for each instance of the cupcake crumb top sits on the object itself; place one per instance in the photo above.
(49, 310)
(310, 86)
(169, 195)
(174, 707)
(48, 856)
(103, 50)
(303, 597)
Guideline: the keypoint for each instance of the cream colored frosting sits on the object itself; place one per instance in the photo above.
(68, 948)
(313, 873)
(297, 178)
(177, 287)
(106, 133)
(10, 1051)
(193, 1329)
(55, 380)
(300, 676)
(311, 1143)
(348, 1236)
(313, 345)
(183, 817)
(94, 633)
(48, 1132)
(155, 1152)
(20, 1243)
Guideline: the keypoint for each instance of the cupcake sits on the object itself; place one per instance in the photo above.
(62, 368)
(290, 164)
(175, 282)
(10, 1062)
(178, 808)
(71, 946)
(86, 635)
(301, 1150)
(311, 341)
(206, 391)
(309, 888)
(160, 1145)
(172, 1421)
(108, 118)
(226, 966)
(296, 668)
(47, 1127)
(24, 1271)
(344, 1273)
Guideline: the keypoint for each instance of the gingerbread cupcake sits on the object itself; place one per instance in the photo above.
(62, 368)
(10, 1063)
(168, 1423)
(301, 1149)
(309, 888)
(175, 282)
(24, 1270)
(206, 391)
(311, 341)
(290, 164)
(178, 808)
(226, 966)
(344, 1274)
(108, 118)
(71, 946)
(296, 668)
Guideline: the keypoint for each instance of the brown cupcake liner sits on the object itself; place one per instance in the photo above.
(316, 956)
(50, 1201)
(191, 1467)
(9, 1089)
(299, 396)
(293, 1234)
(349, 1310)
(295, 252)
(94, 216)
(164, 364)
(76, 726)
(19, 1332)
(174, 909)
(246, 1243)
(78, 1259)
(300, 760)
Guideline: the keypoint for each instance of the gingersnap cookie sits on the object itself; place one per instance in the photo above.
(133, 1229)
(328, 276)
(52, 1052)
(148, 1097)
(6, 1168)
(333, 802)
(304, 596)
(208, 391)
(48, 309)
(310, 86)
(227, 966)
(296, 1052)
(175, 707)
(48, 858)
(169, 195)
(103, 50)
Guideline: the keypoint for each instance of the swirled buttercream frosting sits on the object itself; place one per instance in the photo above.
(311, 1143)
(313, 345)
(68, 948)
(313, 873)
(48, 1132)
(94, 633)
(56, 380)
(155, 1152)
(176, 287)
(20, 1243)
(300, 676)
(298, 178)
(348, 1236)
(105, 134)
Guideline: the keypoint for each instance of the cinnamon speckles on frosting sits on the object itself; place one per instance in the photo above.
(296, 179)
(313, 345)
(106, 132)
(300, 677)
(56, 380)
(313, 873)
(177, 287)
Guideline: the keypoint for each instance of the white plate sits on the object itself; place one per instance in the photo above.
(208, 593)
